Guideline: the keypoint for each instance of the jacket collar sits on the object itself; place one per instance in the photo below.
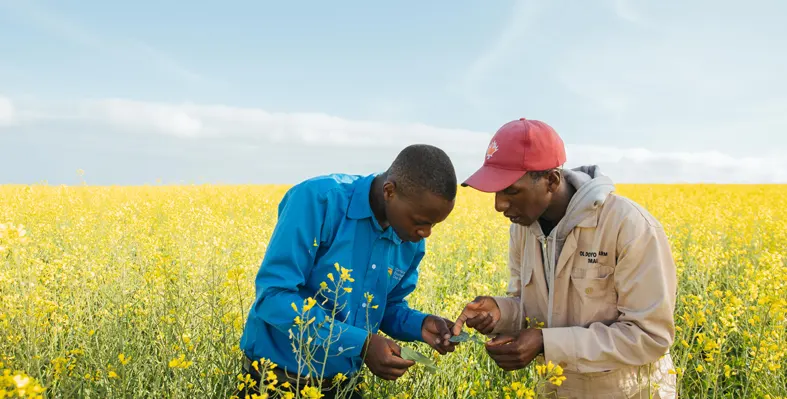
(359, 207)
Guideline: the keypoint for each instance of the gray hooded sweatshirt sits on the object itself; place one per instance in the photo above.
(592, 188)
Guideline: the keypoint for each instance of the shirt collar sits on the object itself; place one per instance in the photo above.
(360, 208)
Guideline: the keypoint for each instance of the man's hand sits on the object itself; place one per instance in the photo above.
(436, 331)
(383, 357)
(482, 314)
(514, 352)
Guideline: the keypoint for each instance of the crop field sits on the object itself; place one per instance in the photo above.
(132, 292)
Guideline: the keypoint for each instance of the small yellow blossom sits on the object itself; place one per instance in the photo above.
(339, 378)
(309, 392)
(308, 303)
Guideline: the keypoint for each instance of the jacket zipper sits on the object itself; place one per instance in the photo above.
(549, 272)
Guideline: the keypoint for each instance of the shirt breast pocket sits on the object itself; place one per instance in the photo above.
(594, 298)
(594, 284)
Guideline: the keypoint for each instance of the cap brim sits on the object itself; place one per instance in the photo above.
(491, 180)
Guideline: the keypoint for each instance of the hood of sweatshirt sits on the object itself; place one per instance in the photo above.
(592, 189)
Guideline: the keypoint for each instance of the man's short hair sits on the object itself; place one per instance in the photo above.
(421, 167)
(536, 175)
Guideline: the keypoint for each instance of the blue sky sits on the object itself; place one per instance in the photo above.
(274, 92)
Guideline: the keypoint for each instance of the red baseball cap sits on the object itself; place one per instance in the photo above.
(518, 147)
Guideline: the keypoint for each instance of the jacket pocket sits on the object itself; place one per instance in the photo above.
(594, 296)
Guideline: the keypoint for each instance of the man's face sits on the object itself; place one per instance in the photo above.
(412, 218)
(527, 199)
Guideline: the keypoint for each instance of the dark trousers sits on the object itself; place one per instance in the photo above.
(329, 392)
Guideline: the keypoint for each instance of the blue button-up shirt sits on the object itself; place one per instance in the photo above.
(323, 221)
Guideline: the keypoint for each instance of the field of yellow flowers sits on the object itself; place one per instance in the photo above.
(143, 291)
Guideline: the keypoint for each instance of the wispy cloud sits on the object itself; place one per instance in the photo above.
(127, 49)
(627, 11)
(506, 43)
(329, 143)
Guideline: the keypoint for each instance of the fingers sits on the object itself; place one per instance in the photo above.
(486, 326)
(460, 321)
(388, 377)
(443, 332)
(511, 362)
(394, 347)
(445, 347)
(396, 362)
(478, 315)
(437, 334)
(500, 345)
(483, 319)
(470, 311)
(506, 358)
(510, 366)
(391, 366)
(508, 362)
(501, 340)
(390, 374)
(442, 335)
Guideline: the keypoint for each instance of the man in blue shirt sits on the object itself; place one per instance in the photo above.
(350, 245)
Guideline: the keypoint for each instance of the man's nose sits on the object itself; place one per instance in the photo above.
(501, 205)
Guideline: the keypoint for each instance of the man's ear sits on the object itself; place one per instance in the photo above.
(555, 178)
(389, 190)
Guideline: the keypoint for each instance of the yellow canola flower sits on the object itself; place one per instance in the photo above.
(309, 392)
(308, 304)
(97, 260)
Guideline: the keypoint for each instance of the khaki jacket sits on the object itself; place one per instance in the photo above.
(604, 285)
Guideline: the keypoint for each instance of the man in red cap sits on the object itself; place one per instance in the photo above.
(592, 284)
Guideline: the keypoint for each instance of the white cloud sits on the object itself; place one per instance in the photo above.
(137, 116)
(646, 166)
(343, 143)
(197, 120)
(7, 112)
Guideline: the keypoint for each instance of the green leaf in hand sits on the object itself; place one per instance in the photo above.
(464, 337)
(409, 354)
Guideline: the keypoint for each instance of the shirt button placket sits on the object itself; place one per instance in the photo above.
(371, 278)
